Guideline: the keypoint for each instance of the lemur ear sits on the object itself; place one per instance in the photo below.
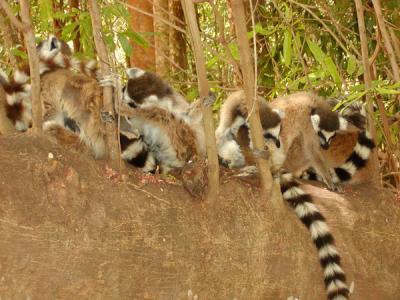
(134, 72)
(342, 123)
(315, 119)
(281, 113)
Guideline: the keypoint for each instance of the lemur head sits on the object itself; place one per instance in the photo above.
(141, 85)
(326, 123)
(271, 124)
(50, 47)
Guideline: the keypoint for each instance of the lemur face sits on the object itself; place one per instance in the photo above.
(326, 126)
(50, 47)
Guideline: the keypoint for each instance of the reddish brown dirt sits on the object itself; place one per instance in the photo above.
(70, 230)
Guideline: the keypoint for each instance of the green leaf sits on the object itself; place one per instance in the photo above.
(333, 71)
(126, 46)
(385, 91)
(19, 53)
(355, 96)
(287, 48)
(137, 38)
(234, 50)
(317, 52)
(351, 65)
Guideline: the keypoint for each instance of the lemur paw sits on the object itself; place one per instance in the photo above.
(107, 117)
(108, 80)
(192, 296)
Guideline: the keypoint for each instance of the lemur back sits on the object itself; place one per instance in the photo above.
(233, 117)
(169, 141)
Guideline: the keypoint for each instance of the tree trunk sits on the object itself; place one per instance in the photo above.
(111, 130)
(246, 65)
(29, 38)
(208, 124)
(177, 42)
(161, 39)
(143, 58)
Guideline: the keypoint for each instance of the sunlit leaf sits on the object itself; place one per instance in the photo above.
(333, 71)
(317, 52)
(126, 46)
(385, 91)
(351, 65)
(287, 48)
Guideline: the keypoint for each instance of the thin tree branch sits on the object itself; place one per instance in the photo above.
(246, 64)
(208, 123)
(108, 107)
(14, 20)
(29, 37)
(386, 39)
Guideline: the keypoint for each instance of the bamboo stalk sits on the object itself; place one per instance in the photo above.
(246, 65)
(212, 156)
(108, 108)
(367, 81)
(29, 38)
(386, 39)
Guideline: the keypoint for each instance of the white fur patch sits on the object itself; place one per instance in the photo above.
(20, 126)
(349, 167)
(281, 113)
(327, 250)
(336, 285)
(134, 72)
(132, 150)
(150, 164)
(362, 151)
(21, 77)
(293, 192)
(305, 209)
(315, 120)
(274, 131)
(231, 153)
(332, 269)
(327, 134)
(318, 228)
(342, 123)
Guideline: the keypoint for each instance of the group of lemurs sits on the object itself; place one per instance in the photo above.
(163, 131)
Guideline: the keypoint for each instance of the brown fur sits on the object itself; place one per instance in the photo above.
(299, 141)
(236, 105)
(81, 99)
(6, 125)
(182, 137)
(146, 85)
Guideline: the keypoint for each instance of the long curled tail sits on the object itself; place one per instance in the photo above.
(305, 209)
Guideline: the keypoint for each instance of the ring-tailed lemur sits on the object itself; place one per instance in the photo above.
(233, 116)
(355, 161)
(53, 54)
(157, 138)
(70, 100)
(145, 89)
(309, 127)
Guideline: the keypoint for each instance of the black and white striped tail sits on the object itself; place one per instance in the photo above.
(334, 276)
(357, 159)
